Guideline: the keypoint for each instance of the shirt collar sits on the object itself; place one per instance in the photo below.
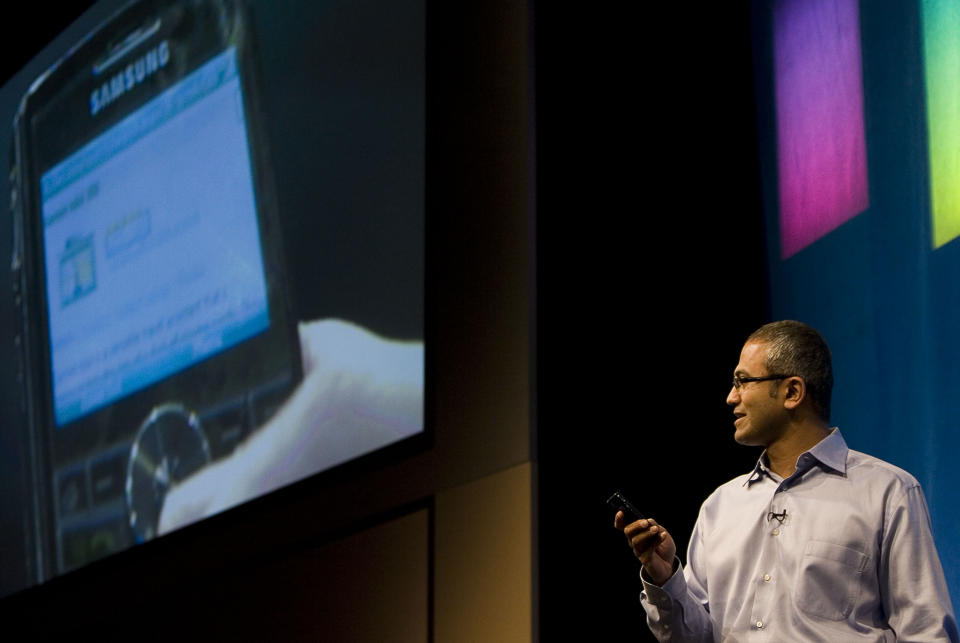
(830, 451)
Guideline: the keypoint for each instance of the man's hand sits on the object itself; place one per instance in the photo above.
(652, 544)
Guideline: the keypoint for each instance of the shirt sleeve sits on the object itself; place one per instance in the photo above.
(679, 611)
(912, 585)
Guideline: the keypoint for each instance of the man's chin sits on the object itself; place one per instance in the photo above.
(745, 437)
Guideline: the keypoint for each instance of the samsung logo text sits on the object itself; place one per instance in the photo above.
(129, 77)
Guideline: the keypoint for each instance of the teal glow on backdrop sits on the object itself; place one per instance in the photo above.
(885, 299)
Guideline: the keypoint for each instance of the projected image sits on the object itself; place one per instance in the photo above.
(221, 296)
(821, 145)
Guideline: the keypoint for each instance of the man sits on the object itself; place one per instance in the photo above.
(817, 543)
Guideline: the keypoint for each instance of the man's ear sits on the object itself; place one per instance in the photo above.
(796, 392)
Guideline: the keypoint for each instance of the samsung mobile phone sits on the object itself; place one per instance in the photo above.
(619, 502)
(154, 330)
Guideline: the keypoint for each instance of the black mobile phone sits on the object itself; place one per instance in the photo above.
(155, 331)
(618, 502)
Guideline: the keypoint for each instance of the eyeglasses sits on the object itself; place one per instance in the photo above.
(738, 381)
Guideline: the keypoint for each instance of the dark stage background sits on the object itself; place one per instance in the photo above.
(653, 272)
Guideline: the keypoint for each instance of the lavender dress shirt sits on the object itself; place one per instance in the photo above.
(841, 550)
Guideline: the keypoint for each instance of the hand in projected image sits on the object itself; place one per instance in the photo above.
(359, 392)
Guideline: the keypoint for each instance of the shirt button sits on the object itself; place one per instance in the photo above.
(759, 625)
(766, 578)
(776, 532)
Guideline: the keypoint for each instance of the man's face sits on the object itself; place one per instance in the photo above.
(759, 418)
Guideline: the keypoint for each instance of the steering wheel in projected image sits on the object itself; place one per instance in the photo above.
(169, 447)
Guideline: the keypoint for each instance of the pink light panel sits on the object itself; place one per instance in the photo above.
(821, 144)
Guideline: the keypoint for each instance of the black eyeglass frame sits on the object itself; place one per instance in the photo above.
(738, 381)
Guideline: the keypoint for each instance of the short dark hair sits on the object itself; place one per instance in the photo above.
(794, 348)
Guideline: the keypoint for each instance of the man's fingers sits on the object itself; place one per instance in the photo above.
(644, 539)
(640, 525)
(644, 535)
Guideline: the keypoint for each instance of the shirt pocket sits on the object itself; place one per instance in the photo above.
(829, 581)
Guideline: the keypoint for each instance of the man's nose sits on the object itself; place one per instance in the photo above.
(733, 397)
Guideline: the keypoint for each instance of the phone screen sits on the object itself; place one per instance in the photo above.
(152, 249)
